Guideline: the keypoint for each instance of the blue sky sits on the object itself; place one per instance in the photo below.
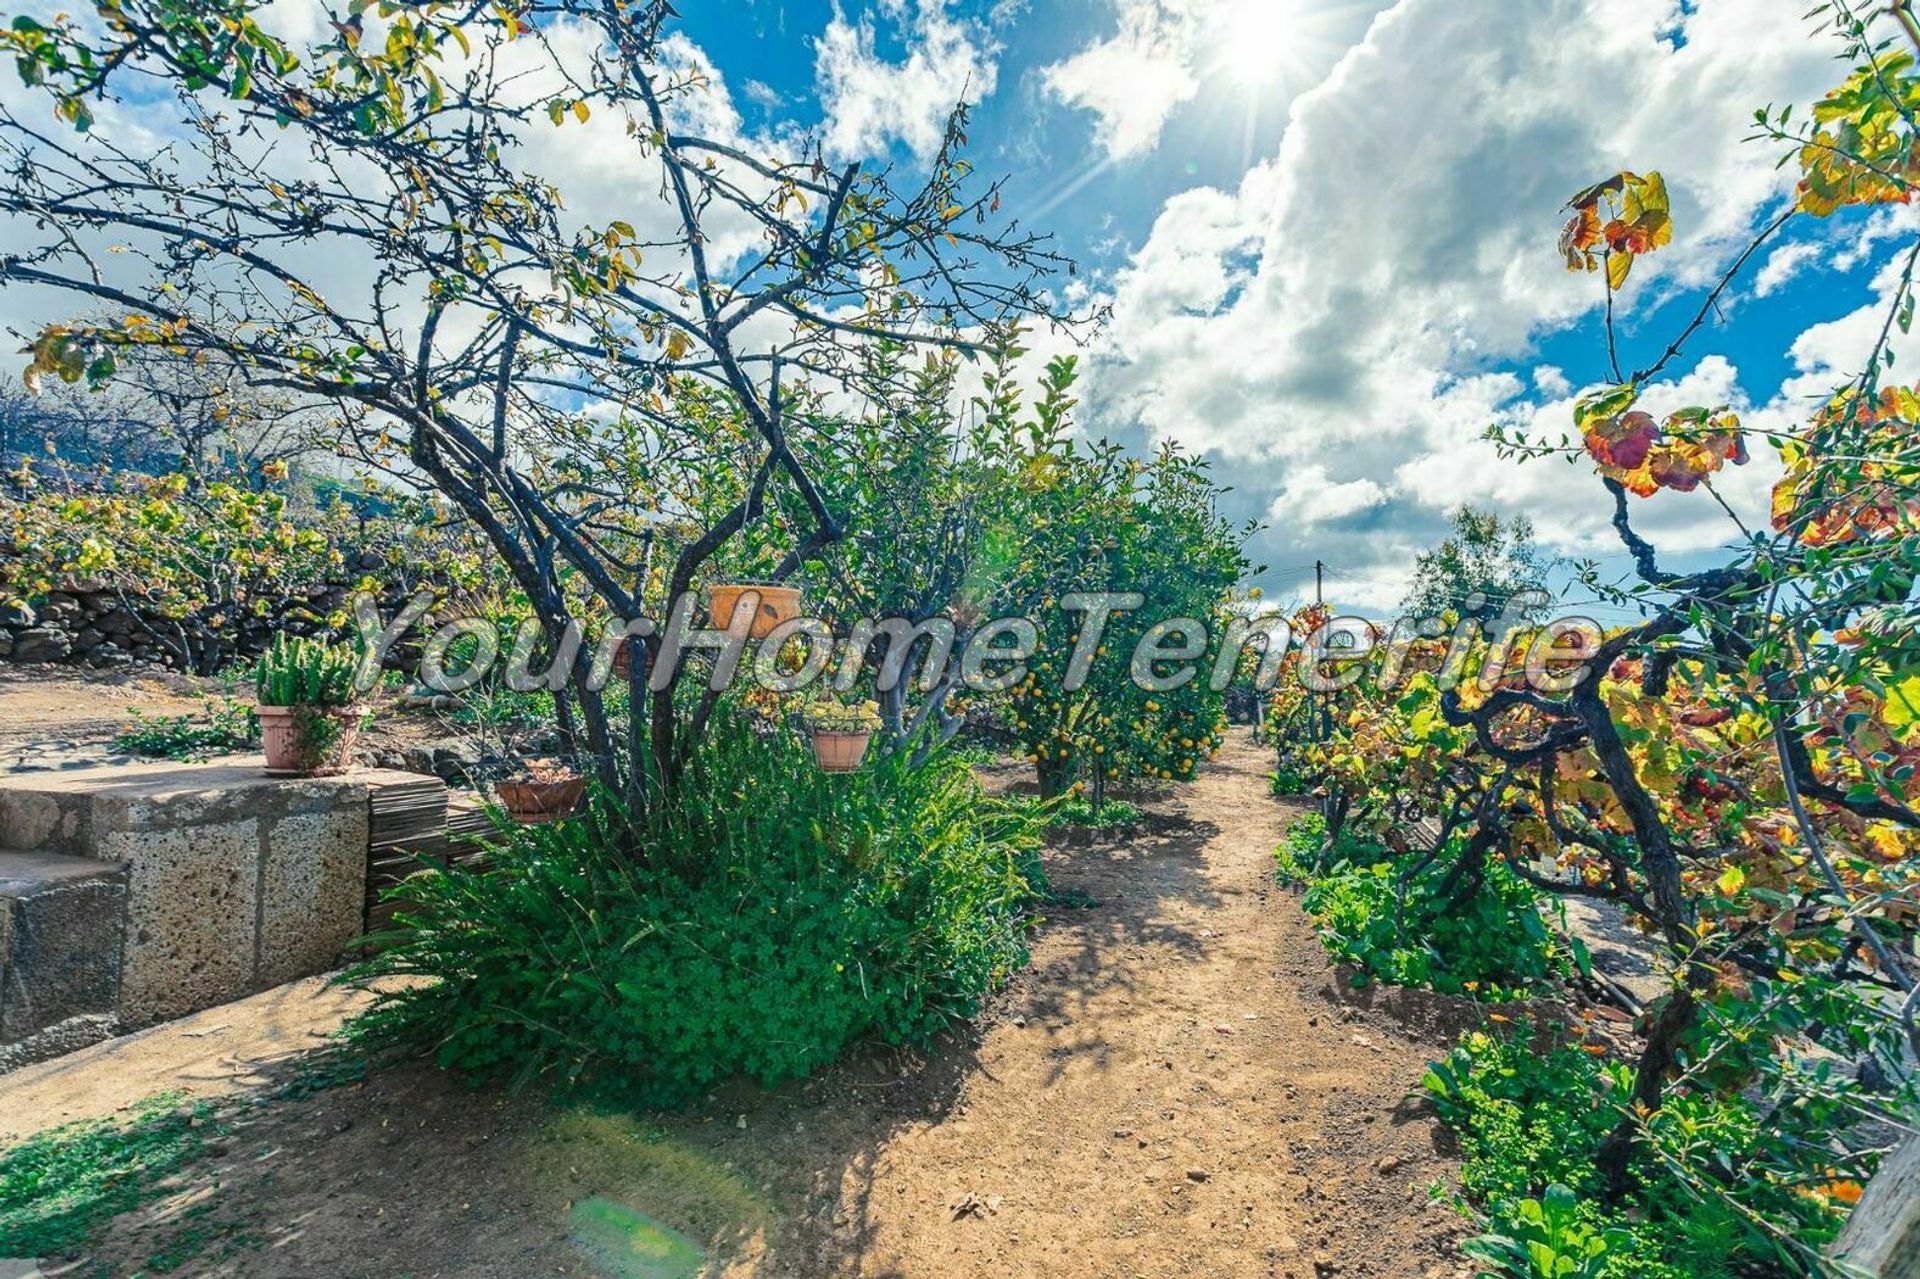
(1327, 228)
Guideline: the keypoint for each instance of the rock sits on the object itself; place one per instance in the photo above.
(118, 621)
(1388, 1164)
(1286, 1245)
(88, 639)
(41, 644)
(454, 762)
(60, 607)
(1324, 1264)
(15, 613)
(6, 645)
(1198, 1175)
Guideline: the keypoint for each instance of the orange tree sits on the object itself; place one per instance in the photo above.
(1130, 573)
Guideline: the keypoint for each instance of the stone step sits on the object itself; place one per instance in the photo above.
(62, 921)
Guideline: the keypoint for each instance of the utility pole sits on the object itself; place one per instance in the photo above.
(1314, 710)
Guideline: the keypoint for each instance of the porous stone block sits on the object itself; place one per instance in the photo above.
(193, 894)
(313, 879)
(60, 945)
(235, 881)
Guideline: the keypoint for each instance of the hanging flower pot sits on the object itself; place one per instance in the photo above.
(841, 733)
(308, 721)
(839, 752)
(778, 604)
(545, 791)
(623, 661)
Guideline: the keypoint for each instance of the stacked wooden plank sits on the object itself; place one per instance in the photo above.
(408, 821)
(414, 816)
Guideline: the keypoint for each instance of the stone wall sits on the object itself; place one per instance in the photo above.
(86, 624)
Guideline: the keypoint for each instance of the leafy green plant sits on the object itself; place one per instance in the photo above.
(1398, 920)
(59, 1187)
(1549, 1239)
(828, 715)
(1399, 925)
(1726, 1183)
(227, 727)
(1081, 813)
(757, 926)
(306, 672)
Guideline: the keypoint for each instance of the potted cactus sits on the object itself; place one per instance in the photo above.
(545, 790)
(777, 604)
(841, 733)
(309, 719)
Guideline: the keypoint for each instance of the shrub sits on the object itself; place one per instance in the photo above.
(1080, 812)
(768, 917)
(1397, 922)
(227, 727)
(1727, 1182)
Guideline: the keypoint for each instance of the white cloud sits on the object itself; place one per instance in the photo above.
(1348, 307)
(1134, 80)
(872, 104)
(1783, 265)
(1165, 54)
(1312, 498)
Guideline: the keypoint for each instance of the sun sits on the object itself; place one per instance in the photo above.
(1249, 35)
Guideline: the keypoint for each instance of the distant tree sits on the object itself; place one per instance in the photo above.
(1483, 562)
(154, 416)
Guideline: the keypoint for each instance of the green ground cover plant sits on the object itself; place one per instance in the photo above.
(59, 1187)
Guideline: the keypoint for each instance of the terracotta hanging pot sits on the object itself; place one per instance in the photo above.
(535, 801)
(839, 752)
(778, 604)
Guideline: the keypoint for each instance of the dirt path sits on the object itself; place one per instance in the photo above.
(1174, 1089)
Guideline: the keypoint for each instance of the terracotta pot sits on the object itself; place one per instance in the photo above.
(839, 752)
(623, 661)
(777, 604)
(535, 803)
(309, 741)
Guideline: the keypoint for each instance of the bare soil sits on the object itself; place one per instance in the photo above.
(1179, 1086)
(85, 708)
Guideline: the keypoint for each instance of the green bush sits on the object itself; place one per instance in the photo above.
(1079, 812)
(1723, 1179)
(757, 925)
(1389, 918)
